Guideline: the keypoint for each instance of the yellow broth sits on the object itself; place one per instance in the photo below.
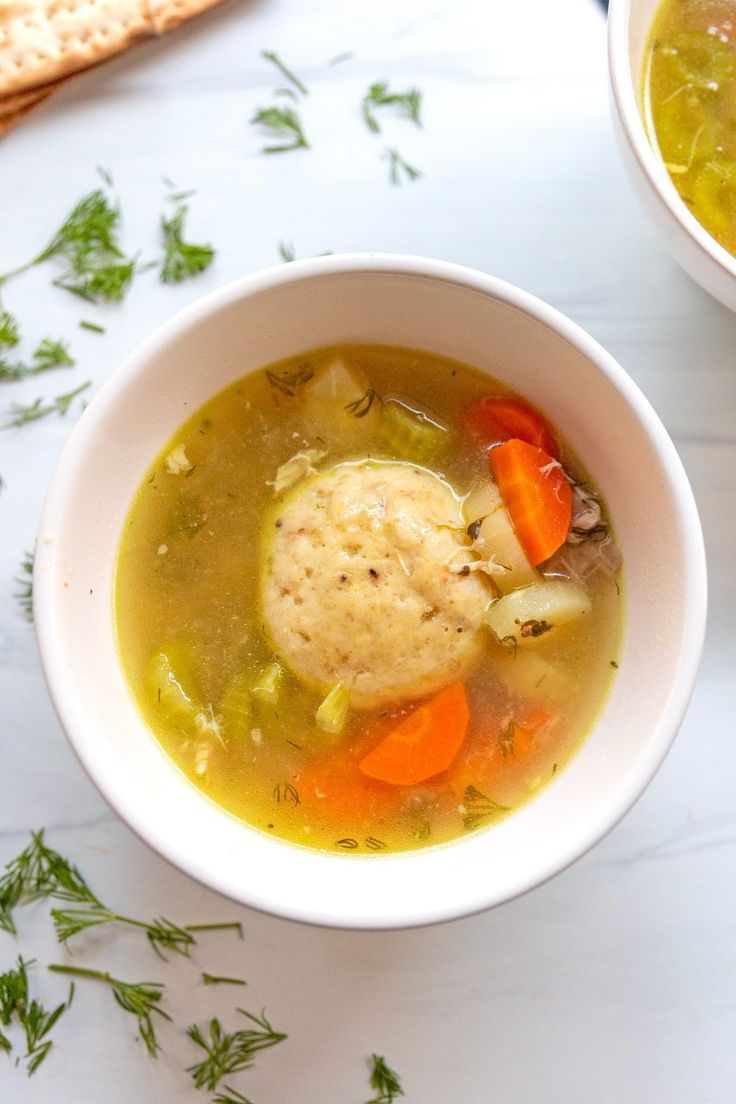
(187, 582)
(690, 105)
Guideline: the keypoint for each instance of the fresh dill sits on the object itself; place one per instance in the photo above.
(379, 94)
(506, 739)
(141, 999)
(9, 332)
(384, 1081)
(214, 979)
(397, 166)
(360, 407)
(273, 57)
(286, 252)
(49, 354)
(230, 1096)
(285, 125)
(229, 1052)
(23, 413)
(87, 241)
(289, 383)
(91, 326)
(40, 871)
(24, 597)
(477, 807)
(181, 259)
(35, 1021)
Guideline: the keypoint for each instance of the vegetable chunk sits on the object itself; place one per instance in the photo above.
(424, 743)
(537, 496)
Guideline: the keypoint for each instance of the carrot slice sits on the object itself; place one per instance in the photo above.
(501, 417)
(538, 497)
(424, 743)
(335, 786)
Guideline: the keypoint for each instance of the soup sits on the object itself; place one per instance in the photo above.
(690, 104)
(367, 599)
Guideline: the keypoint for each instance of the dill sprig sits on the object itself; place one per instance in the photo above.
(33, 1018)
(91, 326)
(284, 123)
(229, 1052)
(273, 57)
(40, 871)
(87, 241)
(286, 252)
(477, 807)
(409, 103)
(141, 999)
(385, 1081)
(398, 165)
(23, 413)
(181, 259)
(230, 1096)
(24, 597)
(214, 979)
(9, 332)
(49, 354)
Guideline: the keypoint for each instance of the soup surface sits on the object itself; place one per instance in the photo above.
(368, 600)
(690, 103)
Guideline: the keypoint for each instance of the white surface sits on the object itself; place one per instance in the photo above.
(455, 312)
(614, 982)
(629, 24)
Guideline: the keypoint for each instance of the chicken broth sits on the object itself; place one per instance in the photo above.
(368, 600)
(690, 103)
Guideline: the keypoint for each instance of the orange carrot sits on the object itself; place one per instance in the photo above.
(537, 496)
(502, 417)
(336, 787)
(424, 743)
(499, 754)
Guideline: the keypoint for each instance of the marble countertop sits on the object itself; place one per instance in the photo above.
(616, 981)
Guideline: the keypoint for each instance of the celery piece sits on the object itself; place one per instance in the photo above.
(167, 679)
(268, 684)
(411, 434)
(333, 711)
(234, 707)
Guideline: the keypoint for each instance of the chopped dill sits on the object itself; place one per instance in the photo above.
(230, 1096)
(41, 872)
(285, 125)
(229, 1052)
(23, 413)
(534, 628)
(91, 326)
(477, 807)
(397, 166)
(49, 354)
(214, 979)
(24, 597)
(30, 1014)
(510, 643)
(289, 383)
(385, 1081)
(360, 407)
(273, 57)
(87, 241)
(181, 259)
(141, 999)
(9, 333)
(506, 739)
(286, 794)
(374, 844)
(286, 252)
(379, 94)
(347, 844)
(105, 176)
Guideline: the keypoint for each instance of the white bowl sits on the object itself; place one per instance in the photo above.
(709, 264)
(445, 309)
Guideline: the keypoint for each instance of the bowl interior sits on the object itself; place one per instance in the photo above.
(444, 310)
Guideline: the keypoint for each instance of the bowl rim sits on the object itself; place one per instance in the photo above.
(480, 896)
(625, 86)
